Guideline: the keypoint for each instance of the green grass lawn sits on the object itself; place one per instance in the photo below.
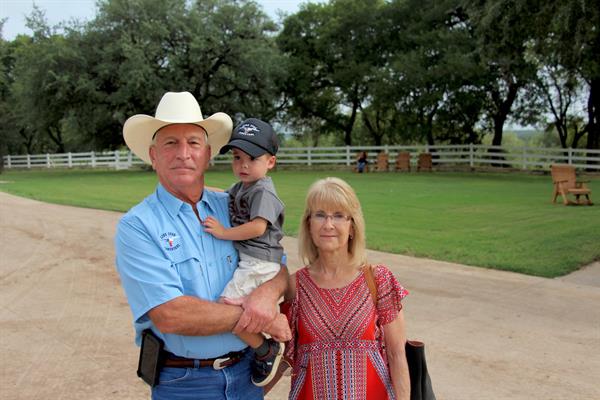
(496, 220)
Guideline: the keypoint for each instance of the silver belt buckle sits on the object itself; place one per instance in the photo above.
(217, 363)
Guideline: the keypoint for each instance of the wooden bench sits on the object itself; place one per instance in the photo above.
(565, 184)
(424, 162)
(382, 161)
(403, 161)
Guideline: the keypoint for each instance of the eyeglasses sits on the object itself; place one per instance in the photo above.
(320, 217)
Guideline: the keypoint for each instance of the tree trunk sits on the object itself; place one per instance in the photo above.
(503, 107)
(350, 125)
(593, 125)
(57, 139)
(429, 127)
(563, 131)
(373, 130)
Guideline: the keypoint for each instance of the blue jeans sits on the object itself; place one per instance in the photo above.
(361, 166)
(231, 383)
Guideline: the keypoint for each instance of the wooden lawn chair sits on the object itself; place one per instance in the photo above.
(424, 162)
(403, 161)
(382, 161)
(565, 183)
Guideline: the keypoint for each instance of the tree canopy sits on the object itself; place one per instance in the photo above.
(353, 72)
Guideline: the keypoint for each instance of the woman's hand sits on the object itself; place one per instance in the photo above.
(279, 329)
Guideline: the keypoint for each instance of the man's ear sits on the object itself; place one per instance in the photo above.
(152, 153)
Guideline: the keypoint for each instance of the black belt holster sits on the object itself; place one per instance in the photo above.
(151, 358)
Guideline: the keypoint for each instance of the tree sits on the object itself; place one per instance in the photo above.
(560, 89)
(502, 29)
(8, 139)
(38, 88)
(332, 52)
(220, 50)
(431, 83)
(571, 33)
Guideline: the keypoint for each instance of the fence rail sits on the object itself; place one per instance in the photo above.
(526, 158)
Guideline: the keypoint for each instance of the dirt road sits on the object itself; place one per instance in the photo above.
(66, 328)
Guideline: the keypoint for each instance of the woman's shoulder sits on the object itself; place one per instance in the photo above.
(384, 276)
(381, 270)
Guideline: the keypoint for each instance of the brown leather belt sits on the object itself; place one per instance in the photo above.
(224, 361)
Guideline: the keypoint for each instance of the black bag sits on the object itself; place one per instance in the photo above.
(420, 383)
(151, 358)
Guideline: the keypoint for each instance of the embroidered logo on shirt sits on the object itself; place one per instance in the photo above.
(171, 240)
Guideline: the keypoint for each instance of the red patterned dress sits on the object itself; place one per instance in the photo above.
(335, 351)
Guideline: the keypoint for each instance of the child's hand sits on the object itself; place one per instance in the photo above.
(214, 227)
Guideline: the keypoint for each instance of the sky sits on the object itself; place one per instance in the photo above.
(65, 10)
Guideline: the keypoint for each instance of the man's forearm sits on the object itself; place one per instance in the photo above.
(275, 288)
(191, 316)
(260, 306)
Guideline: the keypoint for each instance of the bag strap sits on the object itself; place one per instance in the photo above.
(370, 278)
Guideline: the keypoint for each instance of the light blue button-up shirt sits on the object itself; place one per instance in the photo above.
(162, 252)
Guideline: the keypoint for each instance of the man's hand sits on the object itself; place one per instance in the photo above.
(214, 227)
(261, 305)
(259, 313)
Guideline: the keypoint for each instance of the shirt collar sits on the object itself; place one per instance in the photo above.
(175, 205)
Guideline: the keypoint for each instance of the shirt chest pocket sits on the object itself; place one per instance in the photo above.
(188, 267)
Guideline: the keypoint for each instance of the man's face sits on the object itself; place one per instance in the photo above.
(180, 156)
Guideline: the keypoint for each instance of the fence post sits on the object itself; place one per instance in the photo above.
(129, 159)
(116, 159)
(28, 161)
(9, 164)
(524, 154)
(93, 154)
(347, 156)
(70, 160)
(570, 152)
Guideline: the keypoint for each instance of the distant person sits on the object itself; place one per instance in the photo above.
(173, 271)
(343, 346)
(361, 162)
(256, 215)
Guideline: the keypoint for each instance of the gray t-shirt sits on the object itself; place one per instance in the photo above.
(258, 200)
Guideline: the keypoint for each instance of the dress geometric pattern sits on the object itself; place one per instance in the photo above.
(335, 351)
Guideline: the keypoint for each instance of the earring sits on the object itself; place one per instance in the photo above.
(351, 237)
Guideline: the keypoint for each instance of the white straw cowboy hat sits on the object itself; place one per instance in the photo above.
(175, 108)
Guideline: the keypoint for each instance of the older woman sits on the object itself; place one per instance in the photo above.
(345, 345)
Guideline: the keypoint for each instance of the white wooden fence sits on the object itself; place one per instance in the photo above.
(526, 158)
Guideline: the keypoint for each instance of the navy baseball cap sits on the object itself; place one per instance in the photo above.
(254, 137)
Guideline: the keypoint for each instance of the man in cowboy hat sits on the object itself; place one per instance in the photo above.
(172, 271)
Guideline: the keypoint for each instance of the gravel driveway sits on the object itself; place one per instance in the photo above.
(66, 328)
